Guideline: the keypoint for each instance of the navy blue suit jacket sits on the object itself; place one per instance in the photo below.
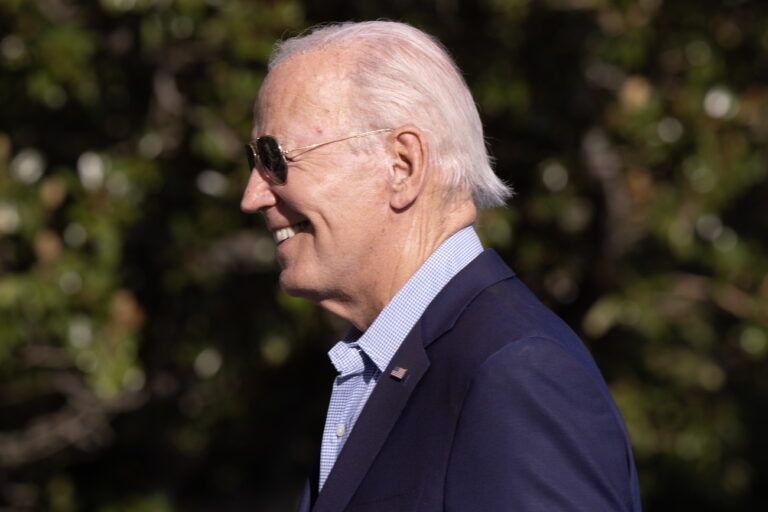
(502, 408)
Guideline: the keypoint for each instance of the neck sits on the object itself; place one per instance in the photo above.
(409, 242)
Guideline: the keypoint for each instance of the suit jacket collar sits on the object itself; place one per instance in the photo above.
(390, 395)
(485, 270)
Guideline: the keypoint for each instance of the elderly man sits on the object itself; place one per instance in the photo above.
(457, 390)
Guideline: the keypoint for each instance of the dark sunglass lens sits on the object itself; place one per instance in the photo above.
(271, 158)
(251, 156)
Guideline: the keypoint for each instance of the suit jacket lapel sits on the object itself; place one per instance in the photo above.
(374, 424)
(305, 502)
(390, 395)
(441, 315)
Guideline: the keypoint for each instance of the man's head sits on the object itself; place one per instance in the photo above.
(356, 217)
(401, 75)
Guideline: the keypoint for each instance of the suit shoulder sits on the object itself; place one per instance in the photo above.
(507, 313)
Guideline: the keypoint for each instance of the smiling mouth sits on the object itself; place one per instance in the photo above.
(281, 235)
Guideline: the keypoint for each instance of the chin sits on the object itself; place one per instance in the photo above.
(290, 288)
(296, 287)
(309, 289)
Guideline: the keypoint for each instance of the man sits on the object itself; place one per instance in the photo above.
(457, 389)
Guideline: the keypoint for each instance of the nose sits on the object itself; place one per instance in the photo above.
(258, 194)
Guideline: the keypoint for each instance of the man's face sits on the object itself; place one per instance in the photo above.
(329, 216)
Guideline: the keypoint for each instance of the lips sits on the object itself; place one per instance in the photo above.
(283, 234)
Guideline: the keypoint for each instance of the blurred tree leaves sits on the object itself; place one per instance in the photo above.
(148, 360)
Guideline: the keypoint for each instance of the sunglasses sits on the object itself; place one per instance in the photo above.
(273, 159)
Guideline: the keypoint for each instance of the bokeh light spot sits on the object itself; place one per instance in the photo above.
(70, 282)
(754, 341)
(208, 363)
(134, 379)
(80, 332)
(726, 240)
(27, 166)
(275, 350)
(9, 218)
(698, 53)
(13, 47)
(719, 103)
(90, 168)
(212, 183)
(669, 129)
(709, 226)
(554, 177)
(75, 235)
(151, 145)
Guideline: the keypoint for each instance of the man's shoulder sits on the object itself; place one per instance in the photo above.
(503, 314)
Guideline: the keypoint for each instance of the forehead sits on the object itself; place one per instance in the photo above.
(307, 92)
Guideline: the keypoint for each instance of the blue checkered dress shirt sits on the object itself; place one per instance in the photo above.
(361, 357)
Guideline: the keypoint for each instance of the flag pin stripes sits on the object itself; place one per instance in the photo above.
(398, 373)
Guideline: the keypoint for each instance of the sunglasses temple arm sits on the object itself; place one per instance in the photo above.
(313, 146)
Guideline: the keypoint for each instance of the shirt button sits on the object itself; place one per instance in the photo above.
(340, 430)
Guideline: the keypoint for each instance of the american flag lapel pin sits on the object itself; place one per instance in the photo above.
(398, 373)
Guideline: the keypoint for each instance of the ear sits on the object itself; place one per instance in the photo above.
(409, 166)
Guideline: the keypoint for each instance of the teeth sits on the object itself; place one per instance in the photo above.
(281, 235)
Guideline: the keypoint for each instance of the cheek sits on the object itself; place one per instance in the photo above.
(352, 213)
(349, 202)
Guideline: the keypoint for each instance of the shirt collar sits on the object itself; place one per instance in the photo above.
(395, 321)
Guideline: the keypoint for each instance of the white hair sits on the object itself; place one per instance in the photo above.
(405, 76)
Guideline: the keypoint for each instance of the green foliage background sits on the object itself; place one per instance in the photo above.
(149, 362)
